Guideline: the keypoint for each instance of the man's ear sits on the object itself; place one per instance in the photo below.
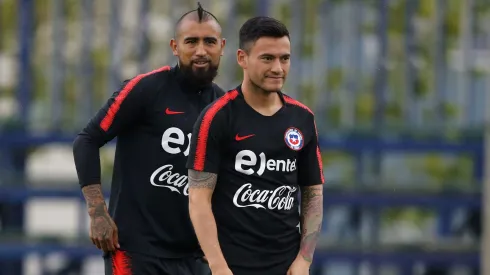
(173, 46)
(223, 45)
(241, 58)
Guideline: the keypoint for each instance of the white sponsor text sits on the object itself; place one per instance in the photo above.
(246, 159)
(281, 198)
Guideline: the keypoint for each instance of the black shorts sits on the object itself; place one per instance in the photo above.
(128, 263)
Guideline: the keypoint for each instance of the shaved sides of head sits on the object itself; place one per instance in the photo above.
(198, 15)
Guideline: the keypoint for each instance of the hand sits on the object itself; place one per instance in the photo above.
(299, 267)
(103, 230)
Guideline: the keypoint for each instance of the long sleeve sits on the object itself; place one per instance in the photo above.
(118, 114)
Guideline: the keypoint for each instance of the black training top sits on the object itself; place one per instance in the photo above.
(152, 116)
(261, 162)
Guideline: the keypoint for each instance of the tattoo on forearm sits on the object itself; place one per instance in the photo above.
(94, 198)
(202, 179)
(311, 219)
(101, 222)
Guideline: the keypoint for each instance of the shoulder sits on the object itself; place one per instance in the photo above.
(298, 106)
(220, 108)
(223, 103)
(143, 81)
(305, 116)
(157, 76)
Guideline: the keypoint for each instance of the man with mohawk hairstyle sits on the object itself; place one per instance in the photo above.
(188, 33)
(146, 229)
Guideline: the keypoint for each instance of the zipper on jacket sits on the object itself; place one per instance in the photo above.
(199, 100)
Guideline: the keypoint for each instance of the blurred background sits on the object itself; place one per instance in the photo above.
(399, 89)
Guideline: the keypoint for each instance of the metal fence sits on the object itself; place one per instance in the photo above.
(399, 89)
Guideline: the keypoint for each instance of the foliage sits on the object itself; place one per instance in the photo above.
(438, 169)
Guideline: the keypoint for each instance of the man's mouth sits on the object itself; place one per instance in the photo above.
(200, 62)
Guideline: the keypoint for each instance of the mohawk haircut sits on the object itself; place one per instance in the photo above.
(202, 16)
(200, 11)
(258, 27)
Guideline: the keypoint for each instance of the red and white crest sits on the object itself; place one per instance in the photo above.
(294, 138)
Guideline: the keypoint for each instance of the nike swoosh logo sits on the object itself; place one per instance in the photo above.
(169, 112)
(239, 138)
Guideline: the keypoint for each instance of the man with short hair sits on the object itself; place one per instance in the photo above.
(252, 150)
(146, 230)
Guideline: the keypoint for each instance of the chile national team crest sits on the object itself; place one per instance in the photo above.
(294, 139)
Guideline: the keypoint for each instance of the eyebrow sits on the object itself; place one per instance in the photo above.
(269, 54)
(204, 38)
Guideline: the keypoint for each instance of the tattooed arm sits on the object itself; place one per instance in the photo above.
(311, 180)
(311, 219)
(103, 230)
(104, 126)
(201, 188)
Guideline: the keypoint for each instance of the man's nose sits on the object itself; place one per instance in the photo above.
(200, 51)
(276, 67)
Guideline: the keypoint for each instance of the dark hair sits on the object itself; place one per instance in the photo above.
(202, 14)
(260, 26)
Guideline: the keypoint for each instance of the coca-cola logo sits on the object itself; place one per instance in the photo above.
(166, 178)
(281, 198)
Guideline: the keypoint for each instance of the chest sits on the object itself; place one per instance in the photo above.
(172, 115)
(269, 145)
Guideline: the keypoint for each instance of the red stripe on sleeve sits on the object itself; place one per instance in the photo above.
(292, 101)
(319, 157)
(121, 263)
(202, 138)
(106, 122)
